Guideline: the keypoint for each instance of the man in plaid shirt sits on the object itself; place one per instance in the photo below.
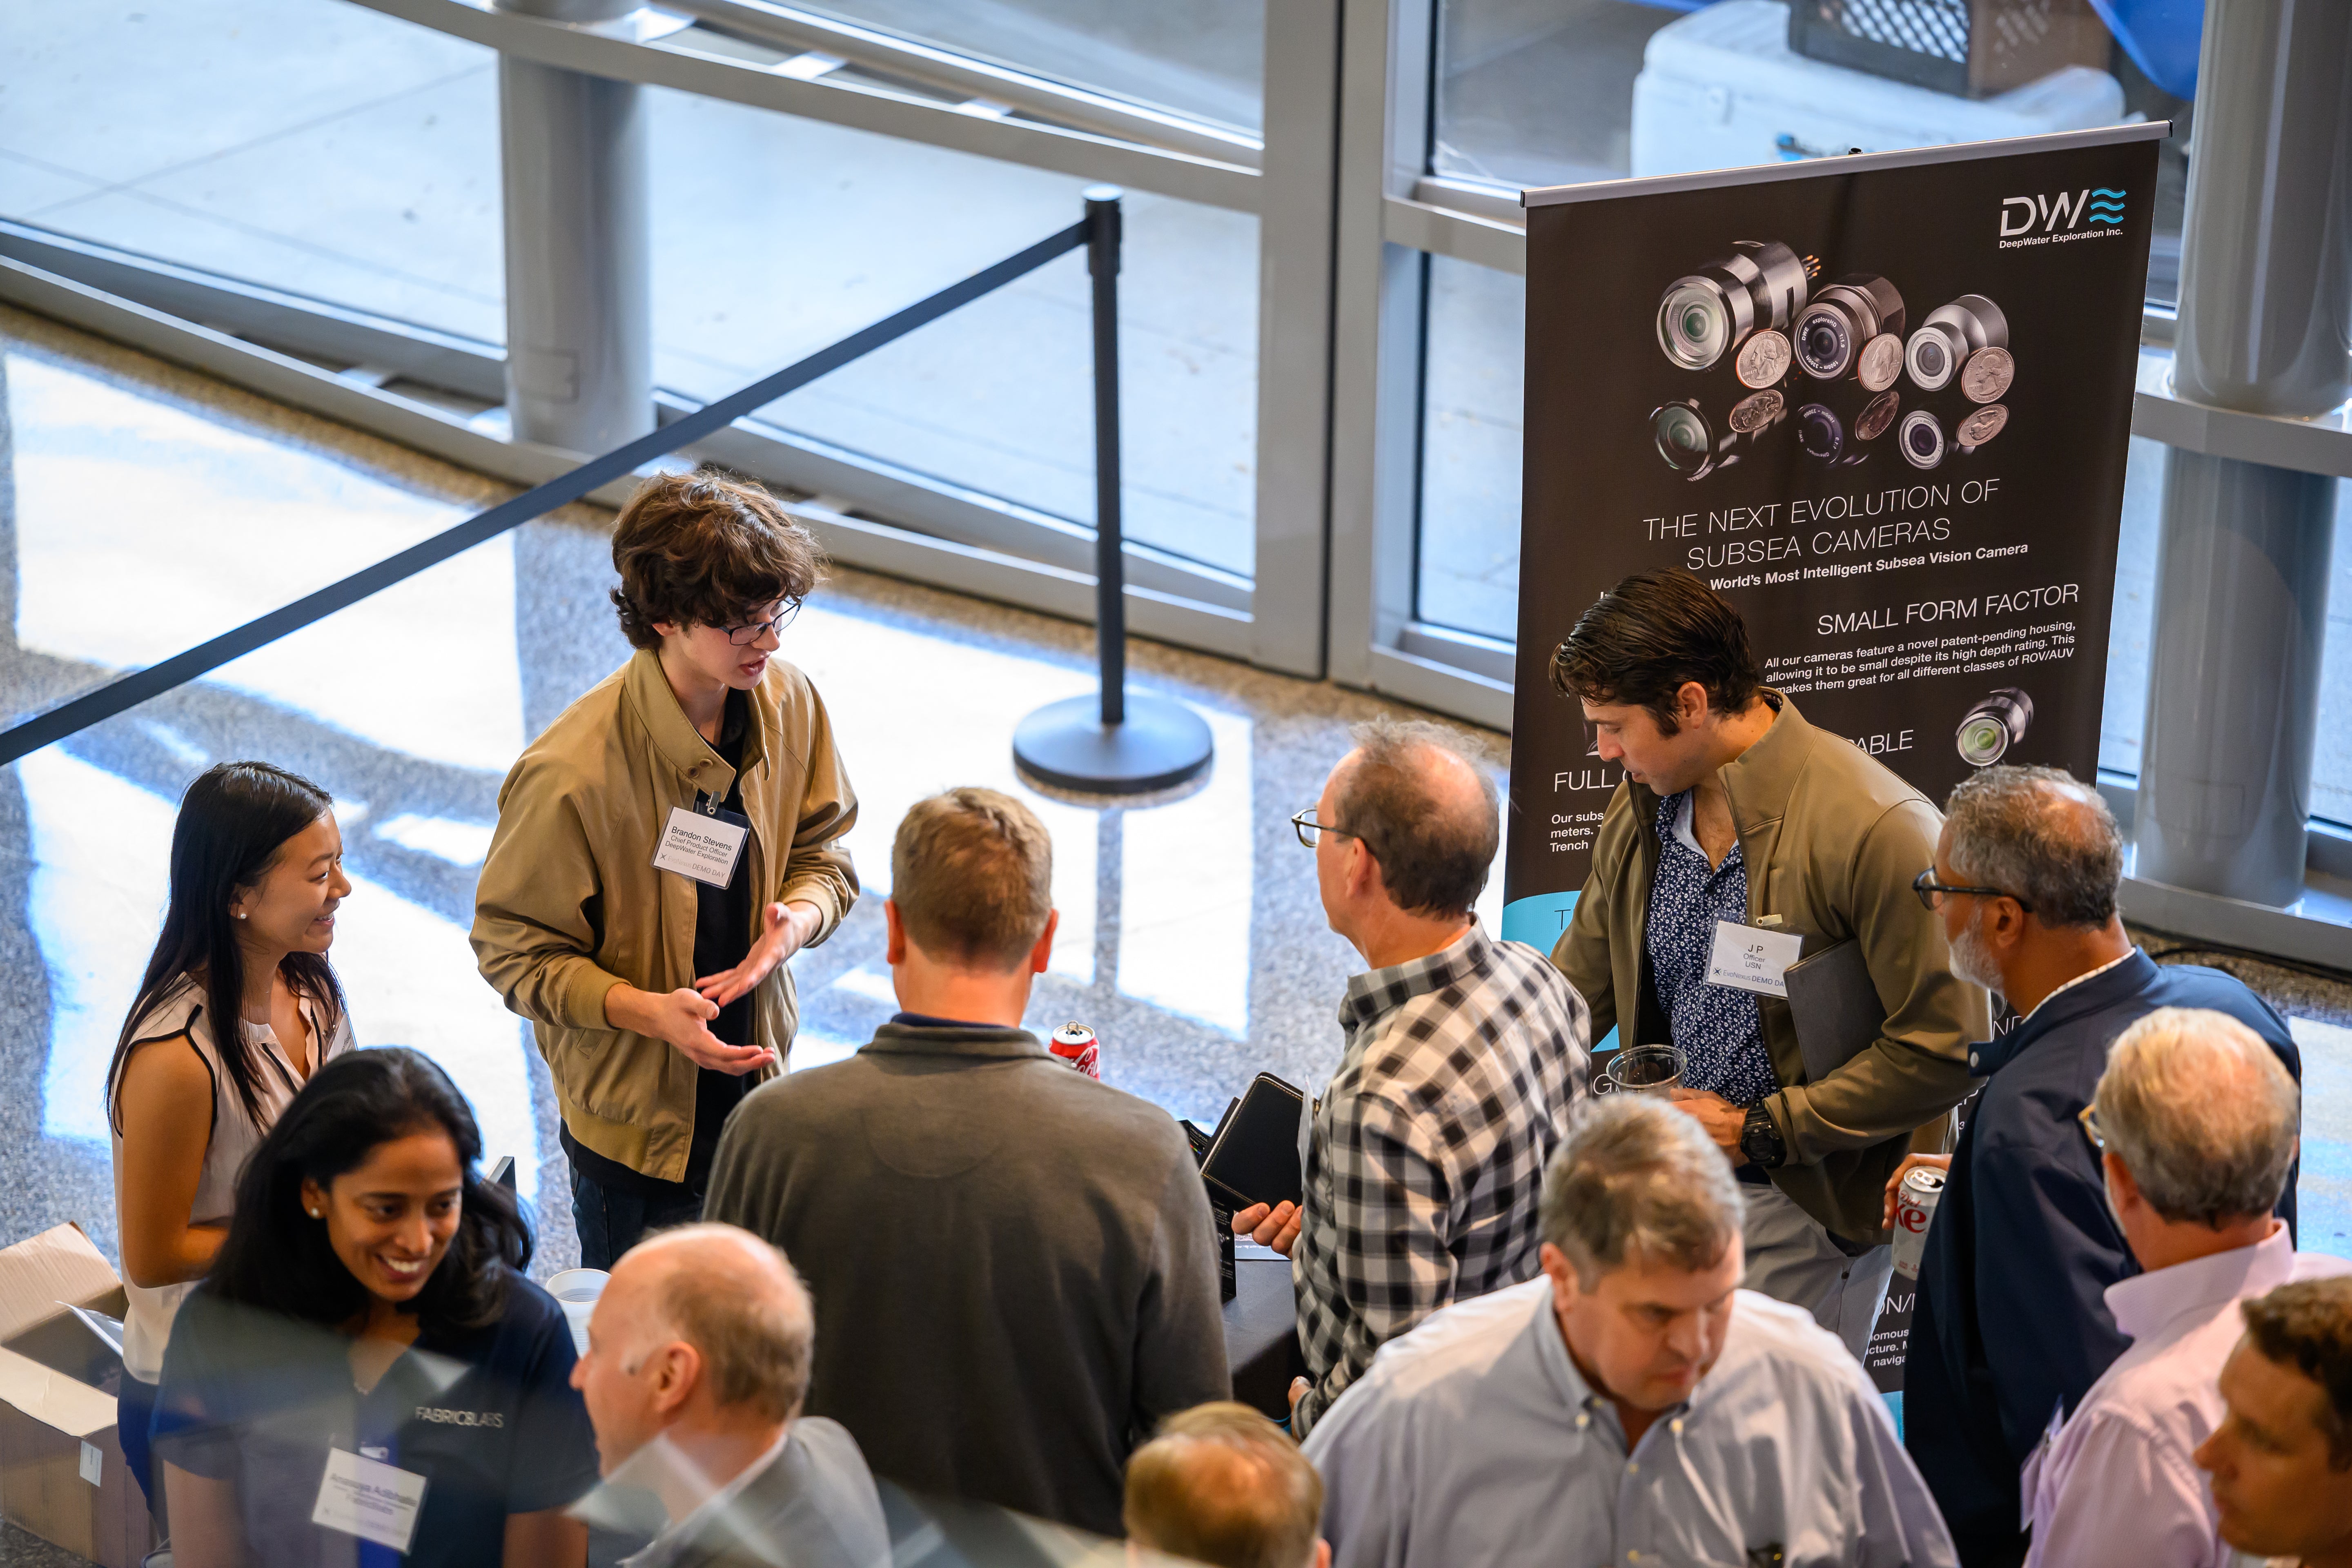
(1424, 1158)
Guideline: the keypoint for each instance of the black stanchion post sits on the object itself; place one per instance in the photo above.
(1110, 558)
(1115, 742)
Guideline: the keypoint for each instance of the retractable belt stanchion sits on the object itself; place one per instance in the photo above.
(1117, 742)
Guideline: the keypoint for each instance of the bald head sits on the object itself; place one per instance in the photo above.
(2202, 1113)
(734, 1299)
(1223, 1485)
(1424, 810)
(2040, 836)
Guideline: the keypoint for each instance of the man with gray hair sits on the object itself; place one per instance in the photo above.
(1423, 1158)
(2195, 1122)
(697, 1363)
(1632, 1405)
(2012, 1323)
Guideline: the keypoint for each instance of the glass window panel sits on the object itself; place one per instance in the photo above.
(997, 396)
(326, 150)
(1468, 550)
(1205, 59)
(1546, 94)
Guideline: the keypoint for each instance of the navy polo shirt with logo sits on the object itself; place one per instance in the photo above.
(488, 1416)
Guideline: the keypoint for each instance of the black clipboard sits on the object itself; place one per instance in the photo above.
(1254, 1158)
(1834, 1004)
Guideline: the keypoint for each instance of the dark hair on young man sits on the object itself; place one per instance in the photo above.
(971, 873)
(707, 549)
(233, 822)
(279, 1259)
(1434, 848)
(2307, 1325)
(1644, 638)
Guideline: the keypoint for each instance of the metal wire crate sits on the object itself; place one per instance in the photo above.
(1973, 49)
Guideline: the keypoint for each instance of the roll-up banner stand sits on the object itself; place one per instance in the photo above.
(1882, 404)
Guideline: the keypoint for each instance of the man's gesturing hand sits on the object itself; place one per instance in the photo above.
(682, 1018)
(789, 928)
(1276, 1227)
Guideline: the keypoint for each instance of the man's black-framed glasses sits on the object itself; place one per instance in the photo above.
(1309, 830)
(1930, 890)
(750, 632)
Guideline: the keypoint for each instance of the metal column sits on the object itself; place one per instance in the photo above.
(2265, 326)
(578, 302)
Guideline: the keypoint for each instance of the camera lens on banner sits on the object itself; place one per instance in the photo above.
(1686, 439)
(1993, 726)
(1949, 335)
(1921, 439)
(1831, 331)
(1705, 314)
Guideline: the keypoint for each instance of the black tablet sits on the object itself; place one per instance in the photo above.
(1254, 1158)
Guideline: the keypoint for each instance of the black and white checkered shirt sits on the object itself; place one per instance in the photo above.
(1427, 1152)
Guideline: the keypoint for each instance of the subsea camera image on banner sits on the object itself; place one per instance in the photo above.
(1870, 404)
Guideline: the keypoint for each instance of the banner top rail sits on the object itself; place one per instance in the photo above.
(1847, 164)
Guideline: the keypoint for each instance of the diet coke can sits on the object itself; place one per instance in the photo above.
(1074, 1043)
(1915, 1207)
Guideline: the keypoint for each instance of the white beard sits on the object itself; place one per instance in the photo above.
(1972, 963)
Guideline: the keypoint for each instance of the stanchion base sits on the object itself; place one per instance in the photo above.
(1066, 744)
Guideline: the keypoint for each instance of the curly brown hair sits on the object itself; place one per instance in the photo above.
(707, 549)
(2306, 1325)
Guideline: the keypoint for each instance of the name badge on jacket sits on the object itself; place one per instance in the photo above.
(703, 848)
(1747, 958)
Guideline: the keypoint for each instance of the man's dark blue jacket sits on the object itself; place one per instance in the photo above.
(2010, 1319)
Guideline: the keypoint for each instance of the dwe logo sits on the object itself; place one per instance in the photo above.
(2023, 214)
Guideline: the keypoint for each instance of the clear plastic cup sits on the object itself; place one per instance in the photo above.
(1642, 1069)
(575, 1290)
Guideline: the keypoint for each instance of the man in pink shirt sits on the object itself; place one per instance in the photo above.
(2197, 1123)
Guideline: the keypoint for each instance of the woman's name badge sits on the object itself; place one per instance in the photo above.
(1747, 958)
(703, 848)
(369, 1498)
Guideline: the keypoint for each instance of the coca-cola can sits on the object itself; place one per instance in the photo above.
(1075, 1044)
(1915, 1207)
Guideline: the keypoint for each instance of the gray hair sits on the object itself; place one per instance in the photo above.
(2040, 836)
(2201, 1112)
(1433, 852)
(1637, 1178)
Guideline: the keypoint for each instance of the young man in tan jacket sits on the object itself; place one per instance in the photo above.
(1736, 811)
(670, 841)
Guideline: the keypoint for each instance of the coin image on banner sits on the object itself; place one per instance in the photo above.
(1987, 375)
(1880, 363)
(1759, 411)
(1763, 359)
(1876, 417)
(1980, 427)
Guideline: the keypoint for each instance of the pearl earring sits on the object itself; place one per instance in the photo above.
(240, 914)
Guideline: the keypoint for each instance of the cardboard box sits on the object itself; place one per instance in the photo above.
(61, 1470)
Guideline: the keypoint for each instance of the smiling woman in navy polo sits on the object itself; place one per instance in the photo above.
(366, 1377)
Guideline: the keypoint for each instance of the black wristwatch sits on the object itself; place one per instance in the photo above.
(1760, 1139)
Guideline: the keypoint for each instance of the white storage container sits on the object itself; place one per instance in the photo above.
(1720, 88)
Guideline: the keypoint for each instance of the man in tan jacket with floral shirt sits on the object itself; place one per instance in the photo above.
(663, 848)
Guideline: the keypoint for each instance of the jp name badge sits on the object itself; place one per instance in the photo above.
(369, 1498)
(702, 848)
(1748, 959)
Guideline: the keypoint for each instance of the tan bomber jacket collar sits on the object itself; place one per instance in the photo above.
(646, 690)
(1760, 781)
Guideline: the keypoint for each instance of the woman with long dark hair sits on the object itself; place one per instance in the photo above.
(366, 1375)
(256, 876)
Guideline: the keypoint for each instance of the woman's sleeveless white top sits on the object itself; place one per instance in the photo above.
(183, 1011)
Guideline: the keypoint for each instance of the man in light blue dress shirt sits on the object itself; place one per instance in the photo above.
(1631, 1406)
